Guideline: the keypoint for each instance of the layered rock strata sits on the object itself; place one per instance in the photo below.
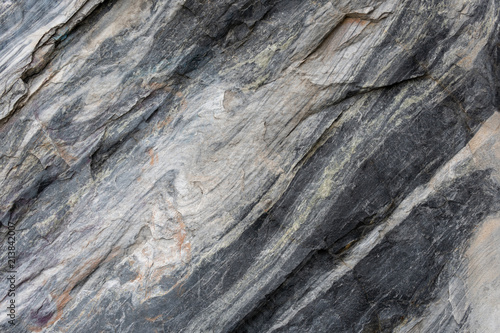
(250, 165)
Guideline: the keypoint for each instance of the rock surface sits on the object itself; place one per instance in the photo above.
(251, 165)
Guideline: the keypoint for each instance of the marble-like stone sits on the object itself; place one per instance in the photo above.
(251, 165)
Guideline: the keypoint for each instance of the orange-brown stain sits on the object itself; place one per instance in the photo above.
(153, 156)
(65, 297)
(154, 319)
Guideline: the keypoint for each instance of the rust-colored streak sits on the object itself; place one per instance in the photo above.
(180, 235)
(154, 319)
(153, 156)
(65, 297)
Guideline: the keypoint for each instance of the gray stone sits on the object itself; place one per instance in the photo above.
(250, 165)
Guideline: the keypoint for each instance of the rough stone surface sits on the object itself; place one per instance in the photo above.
(251, 165)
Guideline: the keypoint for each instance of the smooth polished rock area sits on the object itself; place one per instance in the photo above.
(250, 166)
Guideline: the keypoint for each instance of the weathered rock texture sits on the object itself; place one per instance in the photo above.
(251, 165)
